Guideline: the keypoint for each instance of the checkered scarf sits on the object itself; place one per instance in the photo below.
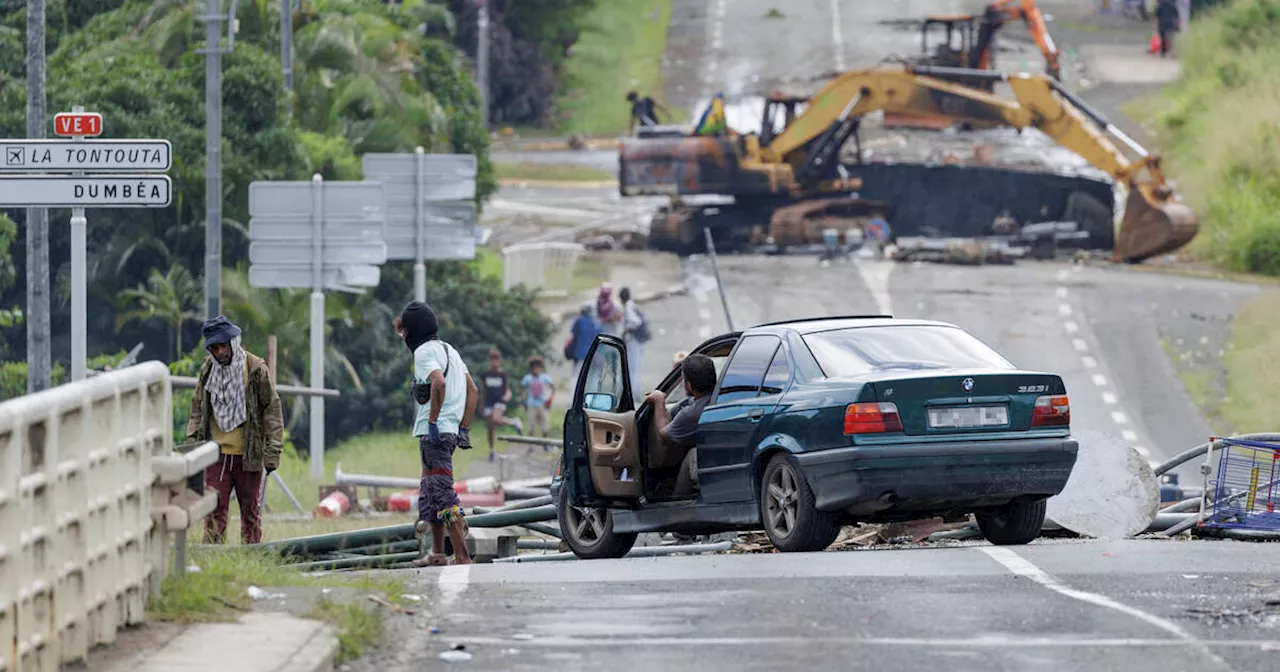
(226, 389)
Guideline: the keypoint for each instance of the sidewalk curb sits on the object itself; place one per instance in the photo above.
(318, 654)
(561, 316)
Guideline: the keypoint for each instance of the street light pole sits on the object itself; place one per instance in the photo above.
(482, 62)
(213, 19)
(39, 337)
(286, 44)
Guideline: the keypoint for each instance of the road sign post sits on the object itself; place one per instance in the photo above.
(430, 211)
(74, 172)
(320, 236)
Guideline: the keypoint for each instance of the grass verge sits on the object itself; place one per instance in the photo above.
(1251, 359)
(220, 591)
(620, 48)
(1218, 127)
(550, 171)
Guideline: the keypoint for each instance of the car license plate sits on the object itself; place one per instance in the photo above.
(969, 416)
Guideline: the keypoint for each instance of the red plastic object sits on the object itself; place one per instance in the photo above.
(336, 504)
(407, 501)
(403, 501)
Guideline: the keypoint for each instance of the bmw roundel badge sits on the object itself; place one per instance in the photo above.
(967, 384)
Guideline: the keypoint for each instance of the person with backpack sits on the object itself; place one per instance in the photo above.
(635, 333)
(581, 335)
(446, 397)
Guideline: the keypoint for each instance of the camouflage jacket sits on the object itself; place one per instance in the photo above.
(264, 424)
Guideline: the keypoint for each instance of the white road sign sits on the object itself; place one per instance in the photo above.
(86, 191)
(298, 276)
(298, 230)
(275, 253)
(35, 156)
(339, 200)
(444, 176)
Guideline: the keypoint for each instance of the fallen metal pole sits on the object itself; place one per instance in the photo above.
(373, 481)
(525, 504)
(189, 383)
(521, 493)
(1164, 521)
(715, 268)
(543, 529)
(538, 544)
(340, 541)
(1184, 505)
(354, 563)
(1217, 444)
(532, 440)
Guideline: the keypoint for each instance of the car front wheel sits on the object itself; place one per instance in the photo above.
(787, 509)
(589, 530)
(1013, 525)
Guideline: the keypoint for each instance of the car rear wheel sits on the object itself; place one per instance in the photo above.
(787, 509)
(589, 530)
(1014, 525)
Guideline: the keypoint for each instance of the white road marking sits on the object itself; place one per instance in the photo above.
(1089, 362)
(1129, 435)
(1143, 452)
(875, 274)
(1071, 327)
(704, 332)
(1110, 398)
(1119, 417)
(984, 641)
(1079, 344)
(837, 38)
(453, 581)
(1062, 292)
(1099, 380)
(1064, 310)
(1023, 567)
(704, 314)
(702, 297)
(1062, 275)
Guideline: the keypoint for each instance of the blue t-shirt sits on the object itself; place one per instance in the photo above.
(433, 356)
(539, 389)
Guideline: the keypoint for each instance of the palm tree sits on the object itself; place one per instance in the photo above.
(171, 297)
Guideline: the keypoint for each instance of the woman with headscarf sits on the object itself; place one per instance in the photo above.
(608, 312)
(236, 405)
(446, 397)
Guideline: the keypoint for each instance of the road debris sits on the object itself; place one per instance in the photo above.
(260, 594)
(391, 605)
(456, 655)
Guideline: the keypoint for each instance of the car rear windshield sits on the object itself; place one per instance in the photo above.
(860, 350)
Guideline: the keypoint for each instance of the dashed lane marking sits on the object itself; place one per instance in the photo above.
(1099, 380)
(1129, 435)
(1071, 327)
(704, 332)
(1064, 310)
(1062, 292)
(1079, 344)
(704, 314)
(453, 582)
(1089, 362)
(1120, 418)
(1110, 398)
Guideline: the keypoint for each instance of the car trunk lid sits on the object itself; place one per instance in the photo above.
(965, 401)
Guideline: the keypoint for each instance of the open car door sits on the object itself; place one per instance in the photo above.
(602, 447)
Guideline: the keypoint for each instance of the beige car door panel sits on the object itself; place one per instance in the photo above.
(660, 455)
(614, 449)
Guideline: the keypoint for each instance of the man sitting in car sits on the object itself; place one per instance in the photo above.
(699, 374)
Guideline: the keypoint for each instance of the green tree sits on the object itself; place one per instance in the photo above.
(170, 298)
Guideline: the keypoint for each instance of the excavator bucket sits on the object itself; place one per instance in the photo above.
(1152, 226)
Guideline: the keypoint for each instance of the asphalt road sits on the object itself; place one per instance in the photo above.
(1096, 606)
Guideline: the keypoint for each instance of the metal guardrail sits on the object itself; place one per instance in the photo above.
(87, 470)
(189, 383)
(547, 266)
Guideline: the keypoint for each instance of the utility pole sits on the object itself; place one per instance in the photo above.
(213, 20)
(286, 45)
(39, 346)
(482, 62)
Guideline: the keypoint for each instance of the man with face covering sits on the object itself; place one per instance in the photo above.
(235, 404)
(446, 397)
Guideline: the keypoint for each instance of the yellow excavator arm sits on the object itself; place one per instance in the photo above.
(1154, 221)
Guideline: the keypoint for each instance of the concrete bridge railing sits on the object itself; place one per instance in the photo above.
(90, 490)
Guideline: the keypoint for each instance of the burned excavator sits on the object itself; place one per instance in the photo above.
(773, 186)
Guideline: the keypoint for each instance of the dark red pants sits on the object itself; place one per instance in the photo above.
(224, 475)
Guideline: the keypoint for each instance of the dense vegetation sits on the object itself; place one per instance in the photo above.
(1221, 132)
(369, 77)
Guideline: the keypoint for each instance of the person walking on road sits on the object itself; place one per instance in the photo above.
(1167, 20)
(608, 313)
(644, 111)
(635, 332)
(236, 405)
(539, 392)
(497, 394)
(446, 398)
(581, 335)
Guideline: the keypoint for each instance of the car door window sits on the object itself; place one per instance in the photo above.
(746, 368)
(604, 389)
(778, 375)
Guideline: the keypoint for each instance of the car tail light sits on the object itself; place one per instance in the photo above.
(1051, 411)
(871, 418)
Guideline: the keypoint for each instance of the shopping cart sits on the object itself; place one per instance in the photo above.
(1245, 486)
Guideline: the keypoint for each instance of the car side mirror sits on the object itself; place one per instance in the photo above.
(599, 401)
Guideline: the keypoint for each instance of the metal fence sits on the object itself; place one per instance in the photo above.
(546, 266)
(80, 547)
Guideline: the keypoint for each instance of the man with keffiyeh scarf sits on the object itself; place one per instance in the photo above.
(235, 404)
